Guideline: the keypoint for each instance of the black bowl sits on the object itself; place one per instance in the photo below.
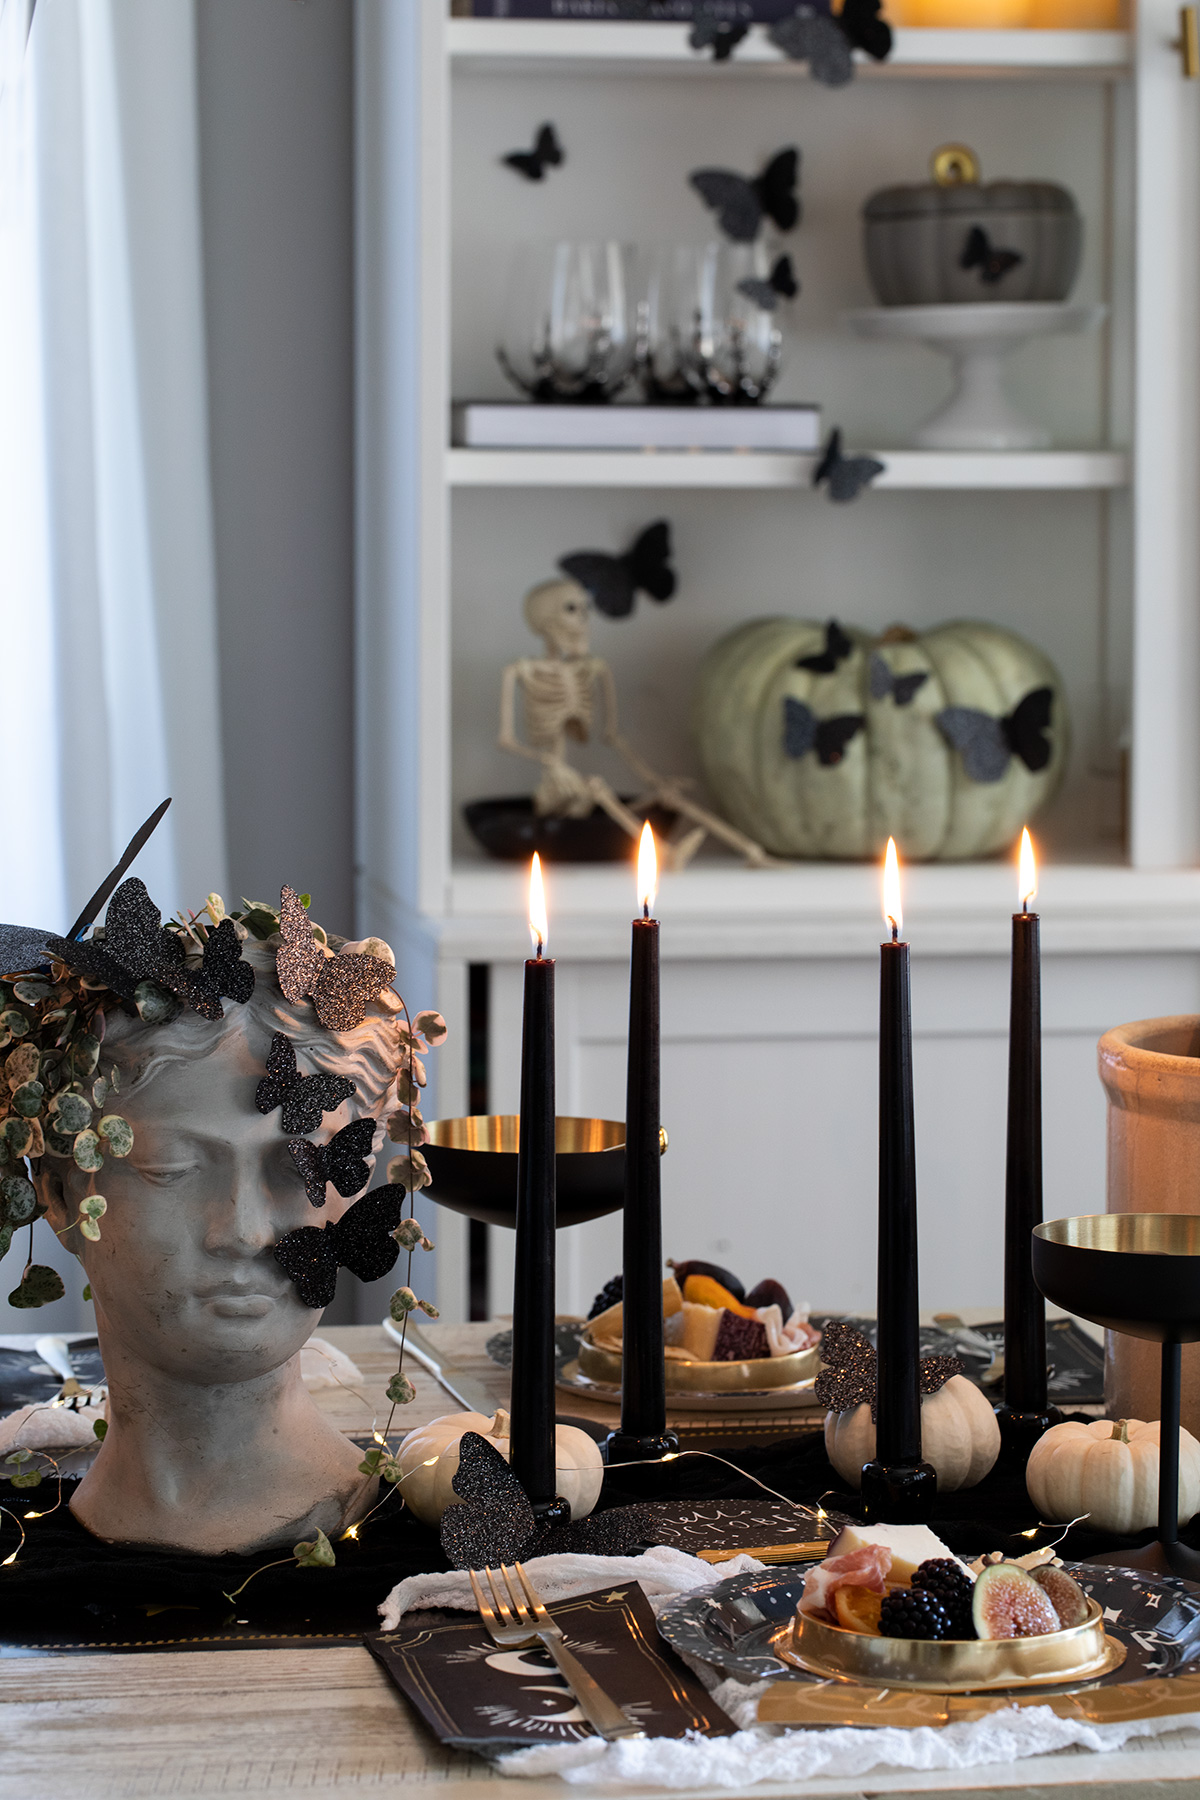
(1137, 1273)
(511, 831)
(473, 1162)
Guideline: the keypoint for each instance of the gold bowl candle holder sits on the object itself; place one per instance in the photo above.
(473, 1162)
(950, 1665)
(1137, 1273)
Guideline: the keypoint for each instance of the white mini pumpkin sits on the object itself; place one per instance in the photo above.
(1110, 1472)
(428, 1459)
(959, 1436)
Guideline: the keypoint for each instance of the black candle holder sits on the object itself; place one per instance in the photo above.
(1136, 1273)
(473, 1162)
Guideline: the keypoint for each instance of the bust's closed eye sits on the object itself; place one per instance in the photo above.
(166, 1174)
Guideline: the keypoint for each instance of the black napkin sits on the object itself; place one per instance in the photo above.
(473, 1694)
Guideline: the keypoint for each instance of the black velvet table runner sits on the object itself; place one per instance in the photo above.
(69, 1591)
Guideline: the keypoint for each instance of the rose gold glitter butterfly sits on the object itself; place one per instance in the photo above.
(340, 987)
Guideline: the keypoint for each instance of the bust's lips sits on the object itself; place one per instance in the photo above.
(233, 1300)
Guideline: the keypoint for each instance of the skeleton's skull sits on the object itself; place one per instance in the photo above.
(558, 612)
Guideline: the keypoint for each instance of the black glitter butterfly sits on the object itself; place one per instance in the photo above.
(303, 1098)
(719, 35)
(741, 202)
(846, 476)
(495, 1522)
(847, 1375)
(23, 948)
(837, 648)
(860, 21)
(766, 292)
(987, 744)
(340, 987)
(803, 731)
(883, 680)
(993, 265)
(137, 947)
(342, 1161)
(360, 1241)
(547, 153)
(814, 37)
(614, 581)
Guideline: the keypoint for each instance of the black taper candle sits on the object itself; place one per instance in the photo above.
(643, 1433)
(532, 1393)
(897, 1487)
(1024, 1415)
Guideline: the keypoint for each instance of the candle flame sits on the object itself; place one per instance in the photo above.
(1027, 880)
(537, 905)
(892, 912)
(647, 870)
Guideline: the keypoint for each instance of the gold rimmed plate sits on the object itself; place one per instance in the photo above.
(949, 1665)
(755, 1375)
(782, 1399)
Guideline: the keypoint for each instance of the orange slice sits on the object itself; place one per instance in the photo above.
(702, 1290)
(857, 1609)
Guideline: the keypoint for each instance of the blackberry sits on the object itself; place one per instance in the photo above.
(609, 1294)
(948, 1582)
(913, 1613)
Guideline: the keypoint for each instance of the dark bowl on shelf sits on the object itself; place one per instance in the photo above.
(511, 831)
(473, 1162)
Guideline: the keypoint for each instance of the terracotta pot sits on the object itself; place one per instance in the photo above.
(1151, 1075)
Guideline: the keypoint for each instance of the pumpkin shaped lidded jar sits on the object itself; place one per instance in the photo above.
(956, 239)
(821, 741)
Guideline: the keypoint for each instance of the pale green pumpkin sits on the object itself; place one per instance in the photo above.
(899, 775)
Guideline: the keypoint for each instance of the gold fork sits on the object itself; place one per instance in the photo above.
(528, 1622)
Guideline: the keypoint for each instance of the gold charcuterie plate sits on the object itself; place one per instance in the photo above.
(760, 1374)
(950, 1665)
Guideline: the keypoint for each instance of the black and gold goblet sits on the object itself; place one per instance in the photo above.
(1136, 1273)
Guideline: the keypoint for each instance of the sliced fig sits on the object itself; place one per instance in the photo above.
(1066, 1596)
(1008, 1603)
(770, 1293)
(714, 1273)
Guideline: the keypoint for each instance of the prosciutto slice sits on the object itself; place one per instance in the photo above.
(865, 1568)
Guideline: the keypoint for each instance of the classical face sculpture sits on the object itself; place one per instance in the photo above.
(213, 1442)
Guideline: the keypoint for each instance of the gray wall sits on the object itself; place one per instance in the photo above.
(276, 117)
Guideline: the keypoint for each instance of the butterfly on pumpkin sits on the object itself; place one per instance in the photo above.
(849, 1368)
(340, 987)
(987, 744)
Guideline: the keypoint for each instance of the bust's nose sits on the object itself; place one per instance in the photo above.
(241, 1222)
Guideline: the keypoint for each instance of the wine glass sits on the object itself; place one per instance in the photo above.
(709, 324)
(567, 332)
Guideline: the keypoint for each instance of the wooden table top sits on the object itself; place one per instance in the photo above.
(327, 1723)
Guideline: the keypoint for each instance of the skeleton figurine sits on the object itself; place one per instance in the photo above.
(562, 692)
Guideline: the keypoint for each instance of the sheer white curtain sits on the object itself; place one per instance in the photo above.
(110, 594)
(108, 645)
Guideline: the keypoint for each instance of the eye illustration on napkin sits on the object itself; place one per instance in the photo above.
(848, 1370)
(361, 1241)
(340, 987)
(341, 1161)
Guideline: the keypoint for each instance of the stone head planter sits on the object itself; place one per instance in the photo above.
(255, 1065)
(1151, 1076)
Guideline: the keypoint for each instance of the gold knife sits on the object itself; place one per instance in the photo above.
(770, 1553)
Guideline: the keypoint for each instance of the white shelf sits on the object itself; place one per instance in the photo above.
(521, 46)
(722, 911)
(905, 469)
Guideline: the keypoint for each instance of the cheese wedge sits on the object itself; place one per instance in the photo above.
(910, 1545)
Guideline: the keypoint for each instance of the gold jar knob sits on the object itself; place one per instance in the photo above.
(955, 165)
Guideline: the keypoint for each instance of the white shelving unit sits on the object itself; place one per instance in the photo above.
(1094, 551)
(903, 469)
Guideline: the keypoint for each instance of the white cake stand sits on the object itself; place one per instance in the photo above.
(977, 339)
